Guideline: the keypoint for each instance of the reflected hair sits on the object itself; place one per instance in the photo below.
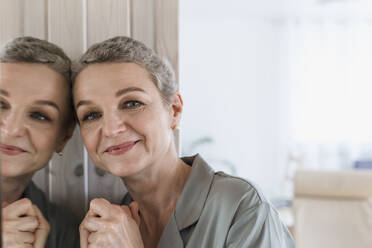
(33, 50)
(125, 49)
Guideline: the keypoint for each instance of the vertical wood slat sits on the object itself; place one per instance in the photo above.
(143, 22)
(11, 20)
(65, 28)
(106, 19)
(35, 18)
(166, 31)
(65, 22)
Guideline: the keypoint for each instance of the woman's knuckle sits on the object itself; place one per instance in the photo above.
(27, 202)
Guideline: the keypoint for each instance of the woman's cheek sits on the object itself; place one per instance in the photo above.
(45, 138)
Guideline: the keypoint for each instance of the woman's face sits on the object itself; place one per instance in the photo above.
(123, 121)
(33, 108)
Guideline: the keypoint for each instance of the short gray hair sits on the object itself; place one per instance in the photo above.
(125, 49)
(33, 50)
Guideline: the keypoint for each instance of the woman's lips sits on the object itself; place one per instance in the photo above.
(120, 149)
(11, 150)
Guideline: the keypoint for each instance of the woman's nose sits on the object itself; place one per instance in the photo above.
(113, 125)
(11, 124)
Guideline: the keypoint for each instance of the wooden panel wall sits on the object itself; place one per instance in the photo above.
(72, 180)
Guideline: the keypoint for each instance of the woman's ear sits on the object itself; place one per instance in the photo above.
(176, 110)
(66, 136)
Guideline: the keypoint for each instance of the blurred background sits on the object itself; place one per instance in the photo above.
(272, 86)
(275, 91)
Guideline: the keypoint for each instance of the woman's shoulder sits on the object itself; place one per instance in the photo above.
(240, 196)
(244, 216)
(235, 189)
(220, 187)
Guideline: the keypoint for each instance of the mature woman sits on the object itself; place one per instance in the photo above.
(127, 105)
(35, 120)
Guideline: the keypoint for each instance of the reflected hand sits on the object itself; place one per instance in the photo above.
(109, 225)
(23, 225)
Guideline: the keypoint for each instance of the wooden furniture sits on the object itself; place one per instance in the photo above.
(333, 209)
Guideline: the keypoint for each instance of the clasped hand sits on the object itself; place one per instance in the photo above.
(108, 225)
(24, 226)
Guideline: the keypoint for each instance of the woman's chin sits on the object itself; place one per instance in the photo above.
(14, 170)
(123, 169)
(123, 172)
(11, 173)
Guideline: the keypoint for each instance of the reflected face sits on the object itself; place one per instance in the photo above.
(123, 121)
(33, 107)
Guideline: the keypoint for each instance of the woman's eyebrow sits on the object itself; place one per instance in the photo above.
(49, 103)
(4, 92)
(117, 94)
(127, 90)
(82, 102)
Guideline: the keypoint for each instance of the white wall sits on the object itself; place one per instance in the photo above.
(231, 96)
(238, 76)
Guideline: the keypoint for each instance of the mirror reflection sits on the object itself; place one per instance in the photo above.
(36, 121)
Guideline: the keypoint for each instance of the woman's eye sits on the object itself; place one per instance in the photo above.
(91, 116)
(132, 104)
(3, 105)
(39, 116)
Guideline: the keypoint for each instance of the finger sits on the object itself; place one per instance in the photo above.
(14, 238)
(125, 214)
(135, 212)
(23, 224)
(42, 232)
(83, 235)
(18, 208)
(30, 210)
(26, 237)
(96, 238)
(96, 245)
(24, 245)
(125, 210)
(100, 207)
(91, 213)
(94, 224)
(43, 223)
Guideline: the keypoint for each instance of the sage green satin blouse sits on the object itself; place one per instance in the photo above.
(219, 210)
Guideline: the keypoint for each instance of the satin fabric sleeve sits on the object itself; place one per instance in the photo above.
(258, 227)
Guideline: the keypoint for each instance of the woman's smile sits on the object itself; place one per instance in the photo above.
(11, 150)
(121, 148)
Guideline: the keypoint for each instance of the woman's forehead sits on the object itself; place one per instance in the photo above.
(112, 69)
(32, 81)
(113, 76)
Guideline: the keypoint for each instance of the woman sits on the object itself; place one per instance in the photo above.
(35, 120)
(128, 106)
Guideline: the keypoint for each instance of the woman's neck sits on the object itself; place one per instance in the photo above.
(157, 189)
(13, 187)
